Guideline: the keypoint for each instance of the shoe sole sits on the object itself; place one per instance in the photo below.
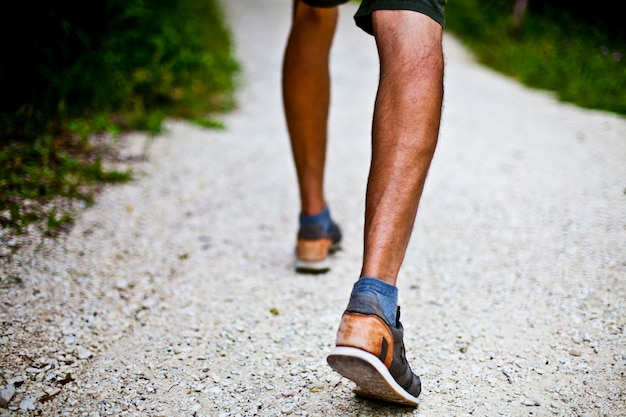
(312, 267)
(371, 376)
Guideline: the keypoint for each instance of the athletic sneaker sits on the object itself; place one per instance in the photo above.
(370, 352)
(314, 246)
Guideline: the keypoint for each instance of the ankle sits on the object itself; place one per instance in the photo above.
(318, 219)
(386, 294)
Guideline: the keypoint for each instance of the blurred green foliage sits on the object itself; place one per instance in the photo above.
(122, 58)
(576, 50)
(74, 69)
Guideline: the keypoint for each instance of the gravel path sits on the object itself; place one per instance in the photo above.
(175, 296)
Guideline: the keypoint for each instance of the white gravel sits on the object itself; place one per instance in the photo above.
(174, 295)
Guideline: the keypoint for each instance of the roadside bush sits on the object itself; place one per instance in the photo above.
(74, 69)
(553, 48)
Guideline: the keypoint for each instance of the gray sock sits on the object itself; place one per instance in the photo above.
(386, 294)
(322, 219)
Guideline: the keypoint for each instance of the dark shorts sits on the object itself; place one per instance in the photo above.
(363, 16)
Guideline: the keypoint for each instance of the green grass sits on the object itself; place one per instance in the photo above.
(36, 176)
(582, 63)
(107, 66)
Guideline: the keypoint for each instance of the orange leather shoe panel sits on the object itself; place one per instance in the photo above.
(366, 333)
(313, 250)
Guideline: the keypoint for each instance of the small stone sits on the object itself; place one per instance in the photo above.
(6, 395)
(288, 408)
(333, 380)
(283, 361)
(16, 380)
(83, 353)
(51, 391)
(531, 403)
(40, 394)
(27, 404)
(575, 352)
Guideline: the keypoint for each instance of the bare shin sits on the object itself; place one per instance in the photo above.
(404, 135)
(306, 98)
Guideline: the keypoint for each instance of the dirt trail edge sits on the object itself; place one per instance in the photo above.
(175, 295)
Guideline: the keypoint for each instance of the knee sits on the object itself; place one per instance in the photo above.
(408, 41)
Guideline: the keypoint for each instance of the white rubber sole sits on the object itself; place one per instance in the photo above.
(369, 374)
(312, 267)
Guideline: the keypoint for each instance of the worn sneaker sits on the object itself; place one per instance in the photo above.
(370, 352)
(314, 246)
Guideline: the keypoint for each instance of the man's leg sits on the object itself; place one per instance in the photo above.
(405, 131)
(370, 346)
(306, 97)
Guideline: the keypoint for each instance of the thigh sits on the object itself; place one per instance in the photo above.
(431, 8)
